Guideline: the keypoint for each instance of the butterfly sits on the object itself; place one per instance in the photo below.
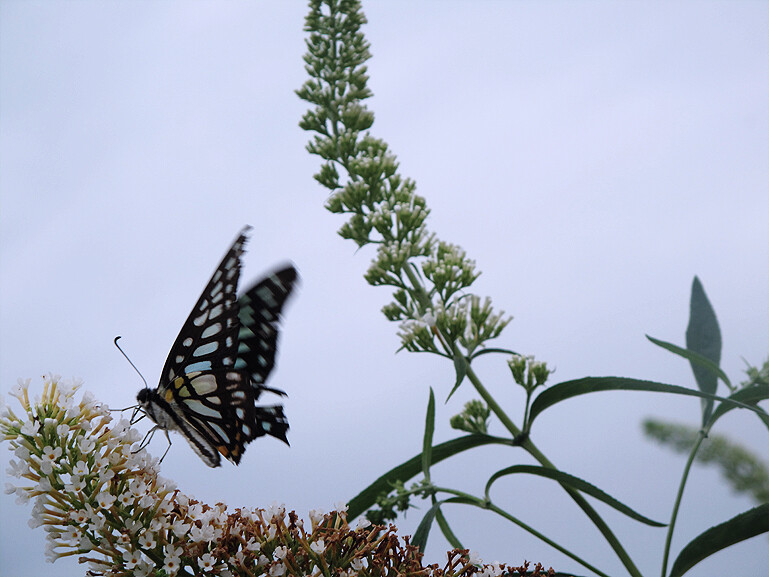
(219, 364)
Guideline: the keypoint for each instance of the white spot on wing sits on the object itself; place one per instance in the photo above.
(215, 312)
(204, 384)
(201, 409)
(206, 349)
(219, 431)
(209, 331)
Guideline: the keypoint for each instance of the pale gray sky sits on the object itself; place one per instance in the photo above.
(591, 156)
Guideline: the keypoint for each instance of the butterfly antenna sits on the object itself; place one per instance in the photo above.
(146, 386)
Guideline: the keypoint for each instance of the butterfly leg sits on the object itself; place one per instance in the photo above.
(134, 407)
(147, 438)
(167, 448)
(134, 419)
(137, 409)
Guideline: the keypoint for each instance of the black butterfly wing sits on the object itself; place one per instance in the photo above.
(209, 338)
(217, 413)
(210, 402)
(260, 312)
(220, 361)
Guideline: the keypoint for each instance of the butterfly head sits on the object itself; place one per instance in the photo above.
(143, 408)
(143, 396)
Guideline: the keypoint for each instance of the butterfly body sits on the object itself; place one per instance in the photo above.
(219, 363)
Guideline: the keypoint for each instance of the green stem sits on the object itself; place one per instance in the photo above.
(492, 403)
(679, 497)
(544, 538)
(532, 449)
(526, 410)
(485, 504)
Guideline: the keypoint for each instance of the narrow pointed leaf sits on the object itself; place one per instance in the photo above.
(427, 442)
(460, 366)
(693, 358)
(749, 395)
(447, 532)
(492, 350)
(423, 530)
(419, 538)
(575, 388)
(576, 483)
(739, 528)
(411, 468)
(703, 336)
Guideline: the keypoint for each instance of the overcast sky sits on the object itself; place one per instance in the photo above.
(592, 157)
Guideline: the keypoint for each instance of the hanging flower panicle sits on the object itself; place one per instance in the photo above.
(365, 183)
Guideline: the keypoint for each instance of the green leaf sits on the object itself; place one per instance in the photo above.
(576, 483)
(405, 471)
(749, 395)
(492, 350)
(427, 443)
(460, 366)
(703, 337)
(447, 532)
(423, 530)
(419, 539)
(569, 389)
(739, 528)
(693, 357)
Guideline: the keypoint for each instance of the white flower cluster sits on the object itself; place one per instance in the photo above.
(92, 486)
(469, 322)
(98, 495)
